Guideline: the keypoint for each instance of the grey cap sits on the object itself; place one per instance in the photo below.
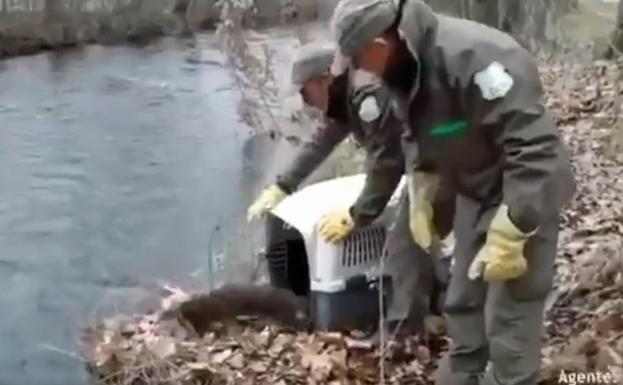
(311, 60)
(356, 22)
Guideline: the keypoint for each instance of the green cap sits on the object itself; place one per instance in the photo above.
(357, 22)
(311, 60)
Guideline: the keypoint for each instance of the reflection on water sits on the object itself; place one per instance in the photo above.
(115, 165)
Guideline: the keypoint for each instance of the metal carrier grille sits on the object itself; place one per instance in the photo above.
(278, 259)
(363, 247)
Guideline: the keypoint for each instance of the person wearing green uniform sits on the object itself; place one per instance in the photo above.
(354, 105)
(471, 102)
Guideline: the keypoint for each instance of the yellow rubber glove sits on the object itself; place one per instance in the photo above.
(268, 199)
(502, 256)
(448, 243)
(422, 189)
(336, 226)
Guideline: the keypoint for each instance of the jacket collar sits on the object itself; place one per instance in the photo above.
(418, 27)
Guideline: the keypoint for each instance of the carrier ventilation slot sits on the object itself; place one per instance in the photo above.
(363, 247)
(278, 258)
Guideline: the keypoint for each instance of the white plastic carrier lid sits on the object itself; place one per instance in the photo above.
(303, 209)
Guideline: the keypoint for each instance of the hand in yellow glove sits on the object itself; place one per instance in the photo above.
(502, 256)
(422, 189)
(336, 226)
(447, 244)
(268, 199)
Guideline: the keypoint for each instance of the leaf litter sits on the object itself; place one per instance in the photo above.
(584, 313)
(584, 318)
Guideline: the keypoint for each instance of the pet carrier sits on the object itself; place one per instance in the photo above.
(341, 281)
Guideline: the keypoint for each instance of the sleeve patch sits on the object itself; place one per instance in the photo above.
(494, 82)
(369, 110)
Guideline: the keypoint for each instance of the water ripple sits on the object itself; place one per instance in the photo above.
(113, 165)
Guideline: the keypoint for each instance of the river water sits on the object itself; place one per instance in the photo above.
(115, 165)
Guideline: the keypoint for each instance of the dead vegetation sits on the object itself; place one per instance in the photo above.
(252, 68)
(27, 27)
(266, 104)
(585, 320)
(147, 350)
(584, 327)
(30, 26)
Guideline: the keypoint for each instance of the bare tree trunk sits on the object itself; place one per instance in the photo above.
(464, 10)
(200, 14)
(57, 30)
(180, 9)
(617, 37)
(491, 12)
(484, 11)
(53, 10)
(509, 16)
(532, 22)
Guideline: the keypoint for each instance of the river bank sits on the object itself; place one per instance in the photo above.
(583, 328)
(25, 32)
(28, 34)
(108, 162)
(123, 168)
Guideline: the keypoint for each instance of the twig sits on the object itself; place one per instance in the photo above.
(616, 337)
(616, 140)
(382, 316)
(64, 352)
(255, 74)
(106, 379)
(211, 274)
(256, 270)
(615, 49)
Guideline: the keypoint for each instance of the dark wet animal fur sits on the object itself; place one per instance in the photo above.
(228, 303)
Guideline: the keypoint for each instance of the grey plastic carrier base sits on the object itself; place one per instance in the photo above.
(354, 308)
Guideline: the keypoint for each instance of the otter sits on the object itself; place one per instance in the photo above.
(228, 303)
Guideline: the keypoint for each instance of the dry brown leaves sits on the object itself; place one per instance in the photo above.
(149, 350)
(584, 319)
(585, 314)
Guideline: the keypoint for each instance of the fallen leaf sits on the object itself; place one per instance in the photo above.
(161, 347)
(258, 367)
(237, 361)
(220, 357)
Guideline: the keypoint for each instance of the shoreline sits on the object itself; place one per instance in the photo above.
(14, 47)
(24, 33)
(29, 34)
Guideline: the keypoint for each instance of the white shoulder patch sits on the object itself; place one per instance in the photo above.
(369, 109)
(494, 82)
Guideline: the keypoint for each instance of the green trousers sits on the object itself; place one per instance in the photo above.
(417, 276)
(499, 324)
